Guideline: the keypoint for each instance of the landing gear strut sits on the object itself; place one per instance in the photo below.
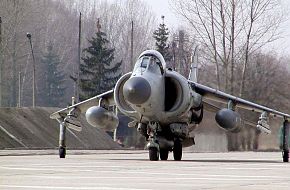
(153, 145)
(285, 132)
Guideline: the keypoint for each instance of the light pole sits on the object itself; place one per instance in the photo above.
(1, 62)
(28, 35)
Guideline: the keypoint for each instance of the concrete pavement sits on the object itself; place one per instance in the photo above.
(131, 170)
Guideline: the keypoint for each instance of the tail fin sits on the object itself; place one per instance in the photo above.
(193, 68)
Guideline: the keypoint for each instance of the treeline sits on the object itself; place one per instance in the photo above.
(232, 38)
(54, 29)
(229, 36)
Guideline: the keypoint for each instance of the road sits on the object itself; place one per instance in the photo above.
(126, 170)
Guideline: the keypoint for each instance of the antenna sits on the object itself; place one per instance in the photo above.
(193, 68)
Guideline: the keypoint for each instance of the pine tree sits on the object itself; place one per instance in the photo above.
(52, 91)
(161, 37)
(97, 72)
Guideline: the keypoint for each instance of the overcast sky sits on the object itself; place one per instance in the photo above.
(162, 7)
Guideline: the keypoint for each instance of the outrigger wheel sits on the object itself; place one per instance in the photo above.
(62, 152)
(285, 156)
(153, 154)
(177, 150)
(285, 132)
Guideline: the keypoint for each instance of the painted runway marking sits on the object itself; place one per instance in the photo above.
(69, 164)
(59, 187)
(202, 177)
(191, 174)
(44, 169)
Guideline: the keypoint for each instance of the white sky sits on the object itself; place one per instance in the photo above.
(162, 7)
(281, 46)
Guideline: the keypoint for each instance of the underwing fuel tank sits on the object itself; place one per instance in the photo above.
(229, 120)
(102, 118)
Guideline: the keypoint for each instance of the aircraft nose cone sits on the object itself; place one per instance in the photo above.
(137, 90)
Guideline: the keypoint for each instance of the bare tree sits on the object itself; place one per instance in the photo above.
(230, 31)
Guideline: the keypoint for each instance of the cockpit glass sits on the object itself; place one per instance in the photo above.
(155, 65)
(145, 62)
(151, 63)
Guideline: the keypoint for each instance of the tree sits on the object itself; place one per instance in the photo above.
(57, 22)
(230, 31)
(52, 92)
(97, 72)
(161, 36)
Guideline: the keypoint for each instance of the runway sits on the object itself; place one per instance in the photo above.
(127, 170)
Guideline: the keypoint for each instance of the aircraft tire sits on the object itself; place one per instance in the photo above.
(177, 150)
(62, 152)
(285, 156)
(153, 154)
(163, 154)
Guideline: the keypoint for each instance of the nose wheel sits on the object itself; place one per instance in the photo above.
(153, 154)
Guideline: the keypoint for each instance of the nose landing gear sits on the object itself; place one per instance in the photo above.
(153, 154)
(153, 145)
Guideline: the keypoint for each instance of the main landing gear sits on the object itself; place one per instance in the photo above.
(158, 146)
(154, 152)
(164, 154)
(177, 150)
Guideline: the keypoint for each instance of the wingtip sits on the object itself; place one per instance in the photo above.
(55, 116)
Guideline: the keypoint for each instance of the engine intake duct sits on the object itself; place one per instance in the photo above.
(229, 120)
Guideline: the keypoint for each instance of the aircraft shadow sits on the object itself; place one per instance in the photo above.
(206, 161)
(231, 161)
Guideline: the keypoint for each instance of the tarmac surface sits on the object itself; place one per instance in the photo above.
(126, 170)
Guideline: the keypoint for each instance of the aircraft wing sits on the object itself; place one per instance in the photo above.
(84, 105)
(214, 108)
(221, 97)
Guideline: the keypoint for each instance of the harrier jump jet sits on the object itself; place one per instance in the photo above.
(165, 108)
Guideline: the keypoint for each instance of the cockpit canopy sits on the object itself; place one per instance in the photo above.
(151, 60)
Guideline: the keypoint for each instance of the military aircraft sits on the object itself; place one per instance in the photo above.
(165, 108)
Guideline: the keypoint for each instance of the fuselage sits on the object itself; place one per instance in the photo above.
(157, 94)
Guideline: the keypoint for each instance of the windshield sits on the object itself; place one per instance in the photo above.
(149, 62)
(145, 62)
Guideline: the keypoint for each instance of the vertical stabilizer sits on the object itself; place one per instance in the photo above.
(193, 67)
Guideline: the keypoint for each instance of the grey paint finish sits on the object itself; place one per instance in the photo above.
(219, 96)
(147, 92)
(137, 90)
